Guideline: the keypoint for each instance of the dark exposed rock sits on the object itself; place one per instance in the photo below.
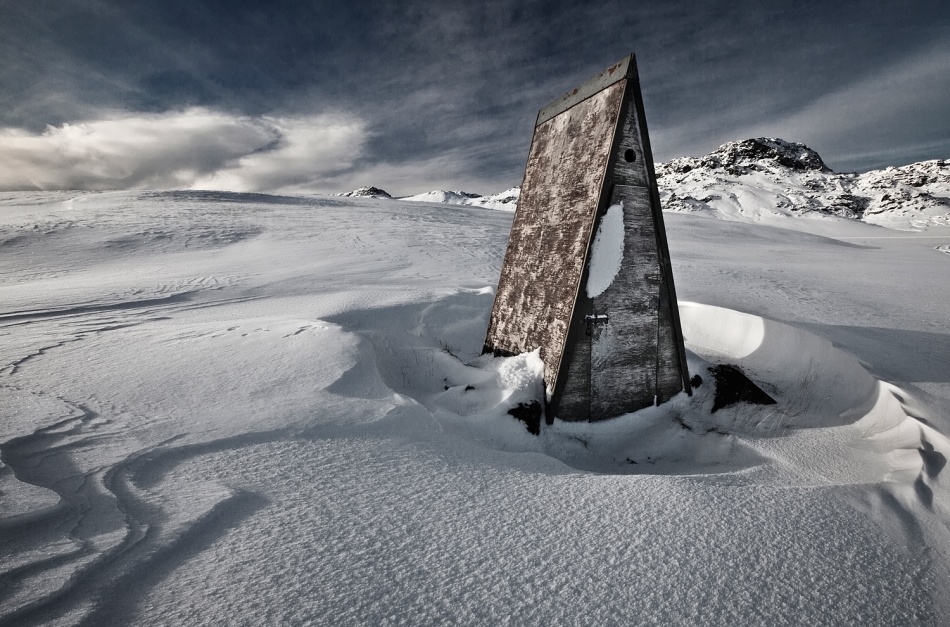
(732, 386)
(848, 205)
(734, 156)
(366, 192)
(529, 414)
(749, 155)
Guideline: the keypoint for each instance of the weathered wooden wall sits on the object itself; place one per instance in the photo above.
(624, 350)
(547, 248)
(590, 151)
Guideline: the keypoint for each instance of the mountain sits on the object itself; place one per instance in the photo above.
(752, 155)
(773, 179)
(440, 195)
(366, 192)
(766, 178)
(505, 201)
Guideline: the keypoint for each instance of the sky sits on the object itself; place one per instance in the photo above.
(325, 96)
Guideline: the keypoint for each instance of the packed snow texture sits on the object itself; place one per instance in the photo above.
(226, 408)
(606, 253)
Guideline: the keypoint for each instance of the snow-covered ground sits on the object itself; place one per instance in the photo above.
(251, 409)
(503, 201)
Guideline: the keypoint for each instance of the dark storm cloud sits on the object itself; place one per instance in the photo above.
(444, 94)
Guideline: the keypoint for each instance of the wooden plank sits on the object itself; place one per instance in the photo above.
(670, 339)
(624, 350)
(616, 72)
(547, 247)
(573, 397)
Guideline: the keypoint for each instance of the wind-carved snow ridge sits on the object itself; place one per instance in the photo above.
(429, 355)
(827, 402)
(828, 405)
(606, 253)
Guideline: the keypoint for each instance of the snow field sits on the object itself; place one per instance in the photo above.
(295, 427)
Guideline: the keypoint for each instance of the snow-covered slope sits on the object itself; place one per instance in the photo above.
(255, 409)
(768, 179)
(504, 201)
(441, 195)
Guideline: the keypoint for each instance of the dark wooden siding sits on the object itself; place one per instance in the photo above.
(624, 351)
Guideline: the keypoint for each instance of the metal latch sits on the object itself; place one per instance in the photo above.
(595, 319)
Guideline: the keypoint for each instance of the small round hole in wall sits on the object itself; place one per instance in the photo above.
(629, 155)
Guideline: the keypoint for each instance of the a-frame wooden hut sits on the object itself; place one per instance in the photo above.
(586, 277)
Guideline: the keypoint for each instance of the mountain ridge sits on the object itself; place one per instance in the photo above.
(769, 178)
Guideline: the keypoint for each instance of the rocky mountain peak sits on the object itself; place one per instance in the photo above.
(367, 191)
(764, 178)
(749, 155)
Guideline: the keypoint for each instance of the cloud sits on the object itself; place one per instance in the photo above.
(194, 148)
(452, 170)
(455, 86)
(310, 152)
(896, 115)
